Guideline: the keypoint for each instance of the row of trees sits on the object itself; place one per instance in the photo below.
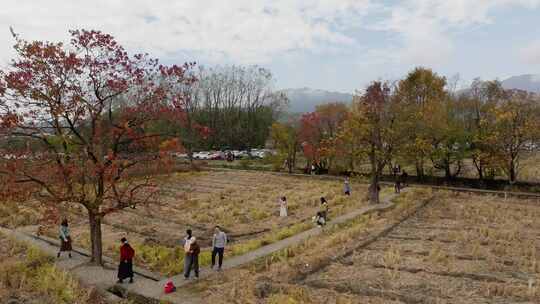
(419, 121)
(234, 106)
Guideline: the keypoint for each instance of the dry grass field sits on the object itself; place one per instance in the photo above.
(29, 276)
(245, 204)
(458, 249)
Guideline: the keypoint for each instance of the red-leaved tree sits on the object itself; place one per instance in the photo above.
(76, 124)
(318, 129)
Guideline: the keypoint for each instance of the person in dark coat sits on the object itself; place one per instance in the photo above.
(194, 251)
(125, 268)
(65, 238)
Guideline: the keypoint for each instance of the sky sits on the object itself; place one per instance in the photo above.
(338, 45)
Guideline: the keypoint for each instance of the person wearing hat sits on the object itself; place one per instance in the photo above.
(125, 268)
(192, 258)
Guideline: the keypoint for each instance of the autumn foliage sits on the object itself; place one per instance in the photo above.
(76, 124)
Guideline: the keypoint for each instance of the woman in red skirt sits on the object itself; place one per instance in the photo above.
(125, 268)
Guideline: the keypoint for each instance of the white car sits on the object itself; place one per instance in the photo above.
(201, 155)
(181, 155)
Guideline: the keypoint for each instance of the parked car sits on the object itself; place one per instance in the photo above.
(216, 155)
(201, 155)
(240, 154)
(180, 155)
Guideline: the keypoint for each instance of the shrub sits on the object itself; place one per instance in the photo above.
(245, 164)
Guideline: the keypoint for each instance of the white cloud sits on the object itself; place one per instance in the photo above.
(531, 53)
(246, 31)
(256, 31)
(425, 26)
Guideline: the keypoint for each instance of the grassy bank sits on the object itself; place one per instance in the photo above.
(27, 275)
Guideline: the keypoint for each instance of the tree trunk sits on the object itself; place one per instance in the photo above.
(512, 172)
(420, 169)
(373, 191)
(447, 171)
(479, 168)
(95, 237)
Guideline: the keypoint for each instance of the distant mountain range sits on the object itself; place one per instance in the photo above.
(306, 99)
(529, 83)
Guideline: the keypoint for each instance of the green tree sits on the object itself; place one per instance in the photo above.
(374, 125)
(286, 142)
(449, 137)
(421, 93)
(516, 130)
(477, 112)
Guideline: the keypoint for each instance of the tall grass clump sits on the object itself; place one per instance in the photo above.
(26, 269)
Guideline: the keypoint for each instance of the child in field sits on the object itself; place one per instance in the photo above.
(283, 206)
(65, 239)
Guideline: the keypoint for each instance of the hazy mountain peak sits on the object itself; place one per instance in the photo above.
(527, 82)
(306, 99)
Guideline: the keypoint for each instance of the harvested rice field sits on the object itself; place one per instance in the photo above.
(245, 204)
(458, 248)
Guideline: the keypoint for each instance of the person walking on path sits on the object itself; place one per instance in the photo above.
(347, 187)
(125, 268)
(187, 247)
(65, 238)
(218, 244)
(323, 209)
(283, 206)
(193, 252)
(397, 185)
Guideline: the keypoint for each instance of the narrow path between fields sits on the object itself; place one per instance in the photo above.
(150, 290)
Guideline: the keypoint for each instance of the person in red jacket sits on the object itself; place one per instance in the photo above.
(125, 268)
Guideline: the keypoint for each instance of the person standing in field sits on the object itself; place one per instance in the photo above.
(65, 238)
(187, 247)
(194, 251)
(347, 187)
(283, 206)
(125, 268)
(218, 244)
